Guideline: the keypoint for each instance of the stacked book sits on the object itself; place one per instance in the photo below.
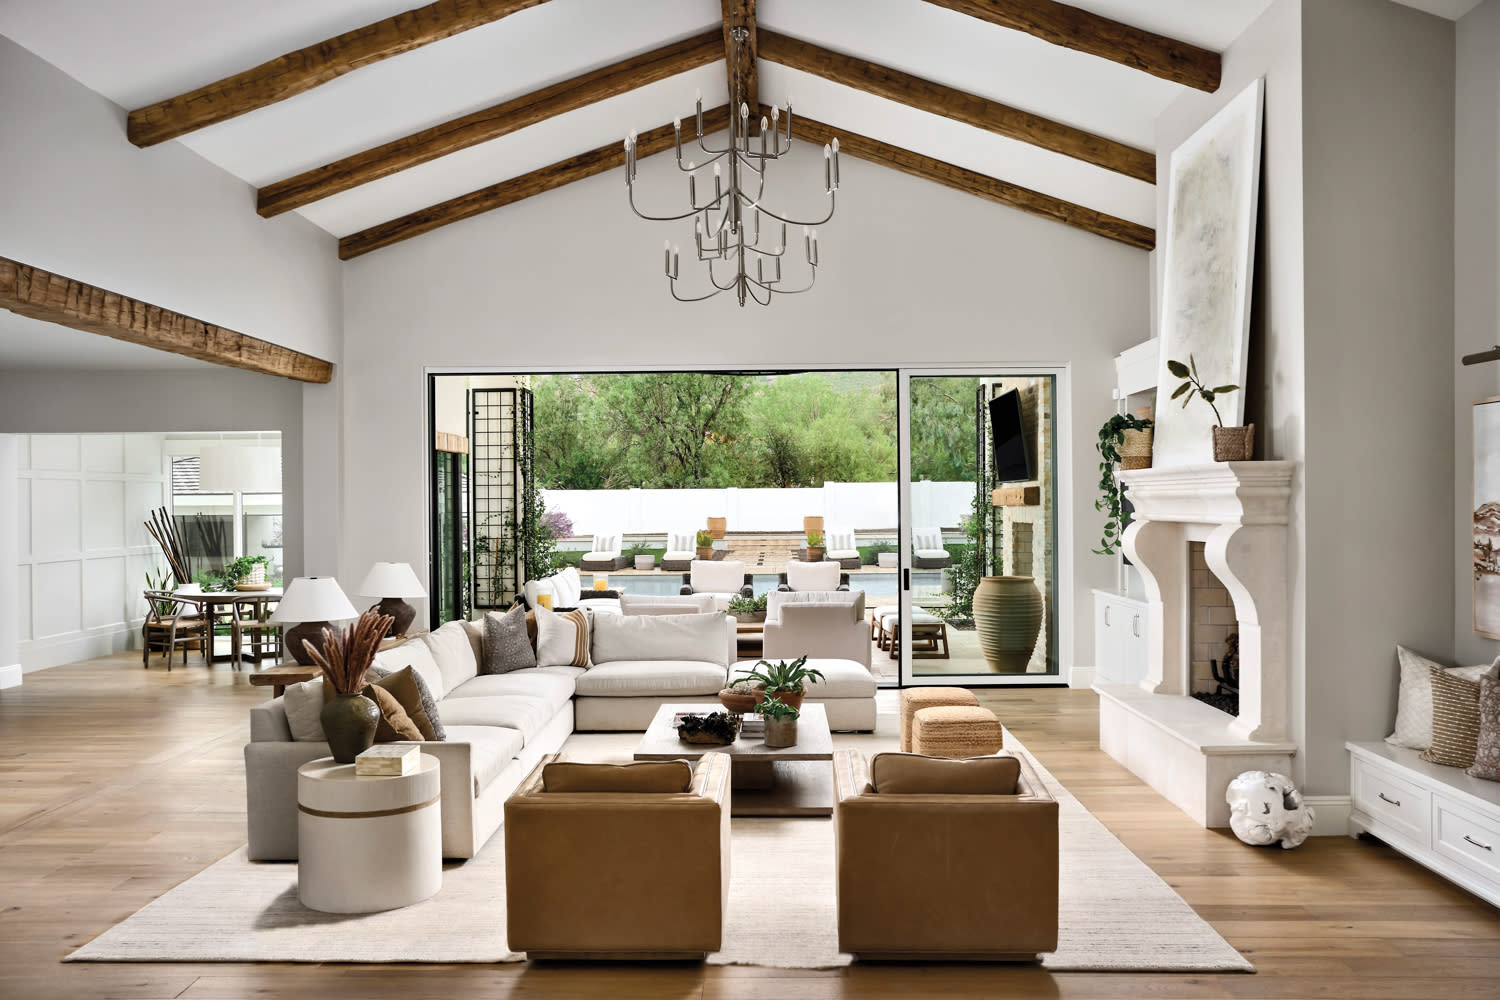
(388, 760)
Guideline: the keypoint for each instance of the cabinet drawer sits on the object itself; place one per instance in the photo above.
(1386, 797)
(1465, 836)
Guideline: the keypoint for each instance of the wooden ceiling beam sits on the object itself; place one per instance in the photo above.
(31, 291)
(312, 66)
(981, 185)
(576, 168)
(937, 99)
(490, 123)
(1084, 31)
(741, 14)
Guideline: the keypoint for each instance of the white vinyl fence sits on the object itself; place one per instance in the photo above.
(861, 506)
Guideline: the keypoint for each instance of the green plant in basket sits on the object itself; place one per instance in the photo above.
(1111, 437)
(705, 540)
(237, 569)
(1192, 386)
(775, 708)
(739, 605)
(814, 539)
(783, 676)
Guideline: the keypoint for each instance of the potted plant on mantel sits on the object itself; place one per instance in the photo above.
(815, 548)
(1113, 438)
(1231, 444)
(781, 722)
(785, 681)
(705, 544)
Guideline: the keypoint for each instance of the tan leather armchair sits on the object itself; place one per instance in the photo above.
(944, 877)
(618, 875)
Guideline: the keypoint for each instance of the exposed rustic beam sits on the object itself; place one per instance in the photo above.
(948, 174)
(309, 67)
(935, 98)
(490, 123)
(1079, 29)
(741, 14)
(31, 291)
(466, 206)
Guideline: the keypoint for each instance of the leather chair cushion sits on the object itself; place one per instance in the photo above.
(667, 776)
(914, 774)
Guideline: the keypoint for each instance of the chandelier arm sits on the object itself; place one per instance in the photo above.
(672, 285)
(630, 192)
(787, 291)
(750, 285)
(715, 283)
(794, 222)
(696, 166)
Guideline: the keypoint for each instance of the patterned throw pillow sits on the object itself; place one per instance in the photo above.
(1487, 752)
(562, 639)
(1455, 720)
(506, 646)
(1413, 727)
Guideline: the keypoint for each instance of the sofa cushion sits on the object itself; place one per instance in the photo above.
(666, 604)
(841, 679)
(394, 723)
(1413, 727)
(686, 543)
(562, 638)
(709, 577)
(931, 553)
(605, 546)
(455, 657)
(506, 644)
(914, 774)
(530, 682)
(567, 585)
(839, 540)
(658, 776)
(661, 637)
(407, 686)
(928, 540)
(854, 600)
(524, 713)
(654, 678)
(1455, 719)
(813, 575)
(491, 749)
(304, 708)
(417, 655)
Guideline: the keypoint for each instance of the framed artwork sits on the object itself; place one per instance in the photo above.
(1213, 186)
(1487, 517)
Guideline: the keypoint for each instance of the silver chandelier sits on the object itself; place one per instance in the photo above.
(726, 229)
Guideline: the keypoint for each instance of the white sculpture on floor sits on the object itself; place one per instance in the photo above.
(1265, 807)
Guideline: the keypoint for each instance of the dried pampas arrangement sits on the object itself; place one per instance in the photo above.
(348, 653)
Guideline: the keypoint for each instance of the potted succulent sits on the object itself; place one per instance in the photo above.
(815, 548)
(1231, 444)
(1112, 439)
(349, 718)
(748, 609)
(781, 722)
(705, 544)
(742, 696)
(786, 681)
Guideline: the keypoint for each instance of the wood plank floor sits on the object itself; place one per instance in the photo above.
(119, 783)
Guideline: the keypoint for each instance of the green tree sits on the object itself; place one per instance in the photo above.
(680, 429)
(942, 428)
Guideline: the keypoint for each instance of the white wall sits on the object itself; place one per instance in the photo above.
(1476, 290)
(10, 577)
(913, 273)
(82, 501)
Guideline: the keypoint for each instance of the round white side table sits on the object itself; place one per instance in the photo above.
(367, 843)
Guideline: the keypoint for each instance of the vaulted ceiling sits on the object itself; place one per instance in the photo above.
(378, 121)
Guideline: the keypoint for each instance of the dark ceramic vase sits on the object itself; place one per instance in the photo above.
(349, 724)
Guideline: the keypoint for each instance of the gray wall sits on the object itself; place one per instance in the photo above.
(1476, 288)
(10, 598)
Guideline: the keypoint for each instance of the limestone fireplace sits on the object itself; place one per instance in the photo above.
(1186, 750)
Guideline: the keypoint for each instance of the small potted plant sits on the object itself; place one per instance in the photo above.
(1112, 438)
(781, 721)
(1231, 444)
(246, 573)
(742, 696)
(705, 544)
(748, 609)
(815, 546)
(787, 681)
(349, 719)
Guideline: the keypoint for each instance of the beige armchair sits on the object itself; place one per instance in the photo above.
(584, 872)
(819, 624)
(949, 876)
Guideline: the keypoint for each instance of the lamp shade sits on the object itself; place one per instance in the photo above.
(313, 599)
(388, 579)
(230, 468)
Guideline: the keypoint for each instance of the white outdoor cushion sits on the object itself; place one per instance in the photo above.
(528, 682)
(681, 543)
(931, 553)
(839, 539)
(841, 679)
(928, 538)
(917, 618)
(657, 637)
(653, 678)
(598, 555)
(605, 546)
(852, 599)
(568, 586)
(664, 604)
(1414, 698)
(525, 715)
(451, 650)
(709, 577)
(812, 575)
(491, 749)
(678, 555)
(837, 554)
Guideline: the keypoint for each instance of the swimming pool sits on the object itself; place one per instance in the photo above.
(875, 584)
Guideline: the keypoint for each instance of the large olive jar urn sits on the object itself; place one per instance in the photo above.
(349, 722)
(1008, 618)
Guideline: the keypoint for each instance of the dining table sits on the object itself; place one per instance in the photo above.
(218, 605)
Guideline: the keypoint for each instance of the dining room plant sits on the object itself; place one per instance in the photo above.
(349, 718)
(780, 719)
(785, 681)
(1231, 444)
(1112, 439)
(245, 572)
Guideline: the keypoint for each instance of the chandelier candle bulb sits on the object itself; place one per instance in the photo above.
(666, 249)
(675, 259)
(700, 114)
(835, 162)
(827, 167)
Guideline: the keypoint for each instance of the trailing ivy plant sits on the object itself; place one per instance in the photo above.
(1111, 436)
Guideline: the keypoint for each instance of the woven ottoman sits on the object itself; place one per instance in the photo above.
(913, 700)
(956, 731)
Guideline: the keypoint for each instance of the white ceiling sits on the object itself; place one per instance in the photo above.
(34, 345)
(141, 51)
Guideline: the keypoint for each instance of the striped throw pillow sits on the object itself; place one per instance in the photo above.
(682, 543)
(562, 638)
(1455, 720)
(840, 541)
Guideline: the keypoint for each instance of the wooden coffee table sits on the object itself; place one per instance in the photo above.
(764, 781)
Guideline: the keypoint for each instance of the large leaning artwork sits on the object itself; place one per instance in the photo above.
(1487, 517)
(1212, 188)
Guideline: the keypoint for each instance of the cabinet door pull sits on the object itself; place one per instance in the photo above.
(1135, 626)
(1394, 802)
(1484, 847)
(1106, 616)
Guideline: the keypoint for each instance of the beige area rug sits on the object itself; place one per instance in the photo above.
(1115, 913)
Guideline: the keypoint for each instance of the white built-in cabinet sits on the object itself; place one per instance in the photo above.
(1119, 638)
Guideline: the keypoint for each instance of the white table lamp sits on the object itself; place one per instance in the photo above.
(391, 582)
(312, 602)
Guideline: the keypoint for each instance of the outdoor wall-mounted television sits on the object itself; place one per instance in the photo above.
(1015, 459)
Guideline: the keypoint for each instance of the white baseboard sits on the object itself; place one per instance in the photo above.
(1081, 677)
(55, 650)
(1331, 814)
(10, 676)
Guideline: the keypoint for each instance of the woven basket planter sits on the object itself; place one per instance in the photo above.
(1135, 449)
(717, 526)
(1234, 444)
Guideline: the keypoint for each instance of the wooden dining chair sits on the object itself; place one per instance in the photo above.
(249, 619)
(172, 622)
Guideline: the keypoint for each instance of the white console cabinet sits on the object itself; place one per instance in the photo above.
(1436, 815)
(1119, 638)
